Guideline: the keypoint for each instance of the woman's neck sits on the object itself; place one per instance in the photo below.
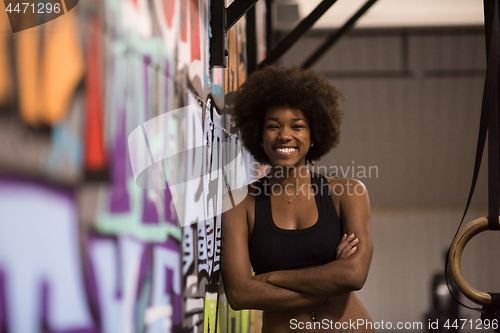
(291, 177)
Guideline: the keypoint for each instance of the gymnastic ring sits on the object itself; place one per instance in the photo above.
(455, 256)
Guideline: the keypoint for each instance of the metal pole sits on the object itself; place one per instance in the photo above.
(333, 38)
(287, 42)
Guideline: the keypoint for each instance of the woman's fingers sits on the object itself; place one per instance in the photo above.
(347, 246)
(351, 251)
(343, 243)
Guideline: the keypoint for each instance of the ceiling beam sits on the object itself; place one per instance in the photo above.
(336, 35)
(287, 42)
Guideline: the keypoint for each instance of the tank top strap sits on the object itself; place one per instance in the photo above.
(261, 187)
(321, 187)
(325, 195)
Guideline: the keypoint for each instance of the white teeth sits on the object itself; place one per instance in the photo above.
(285, 150)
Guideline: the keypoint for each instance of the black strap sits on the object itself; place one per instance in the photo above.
(489, 122)
(493, 153)
(492, 312)
(489, 110)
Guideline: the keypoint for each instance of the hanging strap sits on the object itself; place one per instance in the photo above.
(489, 122)
(489, 112)
(493, 95)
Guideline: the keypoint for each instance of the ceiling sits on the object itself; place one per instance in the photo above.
(399, 13)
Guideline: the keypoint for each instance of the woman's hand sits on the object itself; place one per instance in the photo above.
(347, 246)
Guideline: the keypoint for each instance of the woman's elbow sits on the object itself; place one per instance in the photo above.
(235, 305)
(232, 299)
(235, 299)
(357, 278)
(236, 290)
(357, 282)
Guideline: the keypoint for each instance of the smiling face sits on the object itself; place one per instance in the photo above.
(286, 136)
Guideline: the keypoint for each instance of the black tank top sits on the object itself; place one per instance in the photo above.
(272, 248)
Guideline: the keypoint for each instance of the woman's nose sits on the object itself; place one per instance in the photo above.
(286, 133)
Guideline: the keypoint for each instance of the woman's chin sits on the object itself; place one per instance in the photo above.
(287, 163)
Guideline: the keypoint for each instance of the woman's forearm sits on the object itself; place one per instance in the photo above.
(260, 295)
(333, 279)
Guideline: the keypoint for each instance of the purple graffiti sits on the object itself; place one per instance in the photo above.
(120, 201)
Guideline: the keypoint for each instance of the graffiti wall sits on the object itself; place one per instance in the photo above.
(117, 149)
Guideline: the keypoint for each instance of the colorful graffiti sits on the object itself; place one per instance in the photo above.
(87, 244)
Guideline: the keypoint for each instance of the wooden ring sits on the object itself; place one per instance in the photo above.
(455, 256)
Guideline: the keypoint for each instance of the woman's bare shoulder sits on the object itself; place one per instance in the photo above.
(348, 188)
(344, 181)
(241, 198)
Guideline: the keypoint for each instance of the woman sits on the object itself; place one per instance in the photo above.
(307, 237)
